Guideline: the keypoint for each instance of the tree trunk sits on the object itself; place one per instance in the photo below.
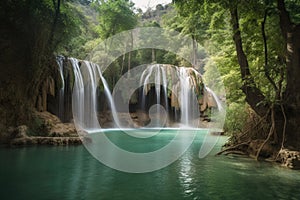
(194, 53)
(123, 62)
(129, 53)
(291, 97)
(254, 96)
(287, 115)
(129, 63)
(153, 55)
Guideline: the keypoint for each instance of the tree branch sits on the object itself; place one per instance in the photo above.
(254, 96)
(266, 66)
(233, 147)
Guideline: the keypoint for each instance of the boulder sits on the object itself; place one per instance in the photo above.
(289, 158)
(54, 127)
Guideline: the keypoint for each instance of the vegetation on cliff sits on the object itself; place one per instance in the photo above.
(254, 45)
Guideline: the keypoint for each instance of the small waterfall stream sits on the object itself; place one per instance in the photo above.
(184, 95)
(110, 99)
(60, 63)
(218, 102)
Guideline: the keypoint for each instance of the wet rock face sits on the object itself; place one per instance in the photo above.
(289, 158)
(54, 127)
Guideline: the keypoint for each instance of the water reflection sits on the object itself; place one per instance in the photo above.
(186, 175)
(72, 173)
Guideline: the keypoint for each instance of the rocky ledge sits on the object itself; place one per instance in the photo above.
(53, 132)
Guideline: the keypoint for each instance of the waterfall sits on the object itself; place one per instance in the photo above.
(110, 99)
(181, 82)
(145, 81)
(184, 95)
(218, 102)
(155, 74)
(184, 86)
(87, 76)
(165, 87)
(60, 63)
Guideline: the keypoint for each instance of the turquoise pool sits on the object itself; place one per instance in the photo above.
(48, 172)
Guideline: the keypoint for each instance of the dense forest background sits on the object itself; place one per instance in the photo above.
(255, 45)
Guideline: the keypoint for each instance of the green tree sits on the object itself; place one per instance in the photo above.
(193, 23)
(86, 37)
(116, 16)
(265, 42)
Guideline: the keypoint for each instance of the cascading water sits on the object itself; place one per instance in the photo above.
(110, 99)
(156, 78)
(218, 102)
(183, 88)
(188, 102)
(87, 77)
(156, 75)
(184, 95)
(60, 63)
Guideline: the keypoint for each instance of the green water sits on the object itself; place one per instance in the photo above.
(72, 173)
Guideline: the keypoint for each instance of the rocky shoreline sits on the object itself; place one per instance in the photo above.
(36, 140)
(49, 131)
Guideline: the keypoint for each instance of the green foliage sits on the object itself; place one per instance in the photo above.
(115, 16)
(85, 31)
(170, 58)
(293, 7)
(236, 118)
(212, 77)
(216, 35)
(156, 14)
(112, 74)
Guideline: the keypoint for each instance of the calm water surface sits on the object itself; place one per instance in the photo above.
(72, 173)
